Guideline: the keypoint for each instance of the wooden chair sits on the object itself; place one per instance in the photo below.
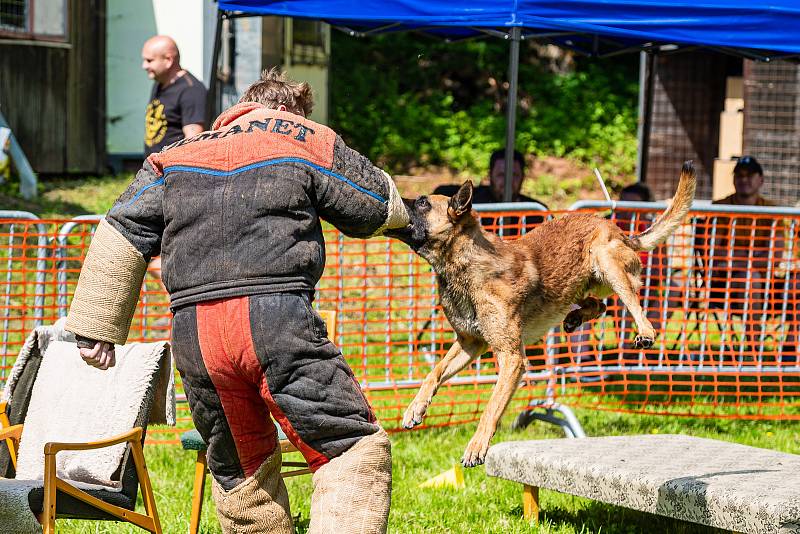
(11, 442)
(57, 497)
(192, 440)
(60, 498)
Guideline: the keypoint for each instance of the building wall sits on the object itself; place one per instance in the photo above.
(252, 44)
(688, 97)
(309, 62)
(241, 57)
(52, 95)
(33, 97)
(772, 126)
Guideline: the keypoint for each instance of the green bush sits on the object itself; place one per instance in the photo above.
(406, 100)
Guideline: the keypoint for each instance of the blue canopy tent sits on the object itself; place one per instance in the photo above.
(755, 30)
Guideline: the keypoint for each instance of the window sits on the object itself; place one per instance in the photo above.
(45, 19)
(309, 42)
(14, 15)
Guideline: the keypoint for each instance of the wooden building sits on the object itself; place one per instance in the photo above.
(52, 82)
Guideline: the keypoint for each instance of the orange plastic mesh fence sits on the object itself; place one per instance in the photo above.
(721, 294)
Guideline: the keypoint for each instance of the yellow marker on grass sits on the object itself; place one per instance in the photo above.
(452, 478)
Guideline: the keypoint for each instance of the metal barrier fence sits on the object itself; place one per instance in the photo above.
(18, 285)
(721, 293)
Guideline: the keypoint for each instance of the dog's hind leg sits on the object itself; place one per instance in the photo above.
(615, 276)
(512, 364)
(463, 351)
(590, 308)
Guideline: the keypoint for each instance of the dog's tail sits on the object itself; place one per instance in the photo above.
(669, 221)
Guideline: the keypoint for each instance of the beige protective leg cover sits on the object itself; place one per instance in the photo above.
(352, 493)
(259, 505)
(108, 287)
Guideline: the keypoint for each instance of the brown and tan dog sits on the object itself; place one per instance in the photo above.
(505, 294)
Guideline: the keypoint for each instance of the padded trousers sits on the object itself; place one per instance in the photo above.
(244, 359)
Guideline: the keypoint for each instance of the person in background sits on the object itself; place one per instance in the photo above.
(177, 106)
(748, 179)
(637, 192)
(634, 222)
(747, 253)
(493, 193)
(741, 245)
(750, 239)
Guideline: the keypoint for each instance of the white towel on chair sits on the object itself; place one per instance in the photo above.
(73, 402)
(164, 404)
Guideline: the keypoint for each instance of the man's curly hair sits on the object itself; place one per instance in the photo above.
(274, 89)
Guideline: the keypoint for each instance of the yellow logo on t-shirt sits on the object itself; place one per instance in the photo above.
(155, 123)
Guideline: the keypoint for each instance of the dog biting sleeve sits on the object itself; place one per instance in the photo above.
(397, 216)
(108, 288)
(357, 197)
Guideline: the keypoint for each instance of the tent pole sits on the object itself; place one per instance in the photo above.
(213, 89)
(511, 111)
(647, 66)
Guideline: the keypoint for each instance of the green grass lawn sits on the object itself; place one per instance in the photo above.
(62, 198)
(486, 504)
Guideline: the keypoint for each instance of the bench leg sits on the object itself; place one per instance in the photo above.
(199, 487)
(530, 502)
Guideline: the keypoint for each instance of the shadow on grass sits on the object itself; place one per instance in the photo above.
(592, 516)
(42, 207)
(60, 197)
(301, 522)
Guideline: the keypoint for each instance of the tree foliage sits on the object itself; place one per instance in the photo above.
(407, 100)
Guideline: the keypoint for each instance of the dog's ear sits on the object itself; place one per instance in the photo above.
(461, 202)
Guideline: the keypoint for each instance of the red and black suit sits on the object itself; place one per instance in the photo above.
(235, 214)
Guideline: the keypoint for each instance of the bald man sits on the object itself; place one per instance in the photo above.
(178, 99)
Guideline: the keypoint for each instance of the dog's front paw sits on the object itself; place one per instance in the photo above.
(572, 321)
(475, 454)
(414, 415)
(643, 342)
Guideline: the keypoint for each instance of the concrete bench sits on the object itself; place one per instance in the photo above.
(715, 483)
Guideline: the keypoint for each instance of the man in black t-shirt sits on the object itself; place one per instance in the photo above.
(493, 193)
(178, 100)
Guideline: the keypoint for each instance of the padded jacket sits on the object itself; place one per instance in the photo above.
(236, 210)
